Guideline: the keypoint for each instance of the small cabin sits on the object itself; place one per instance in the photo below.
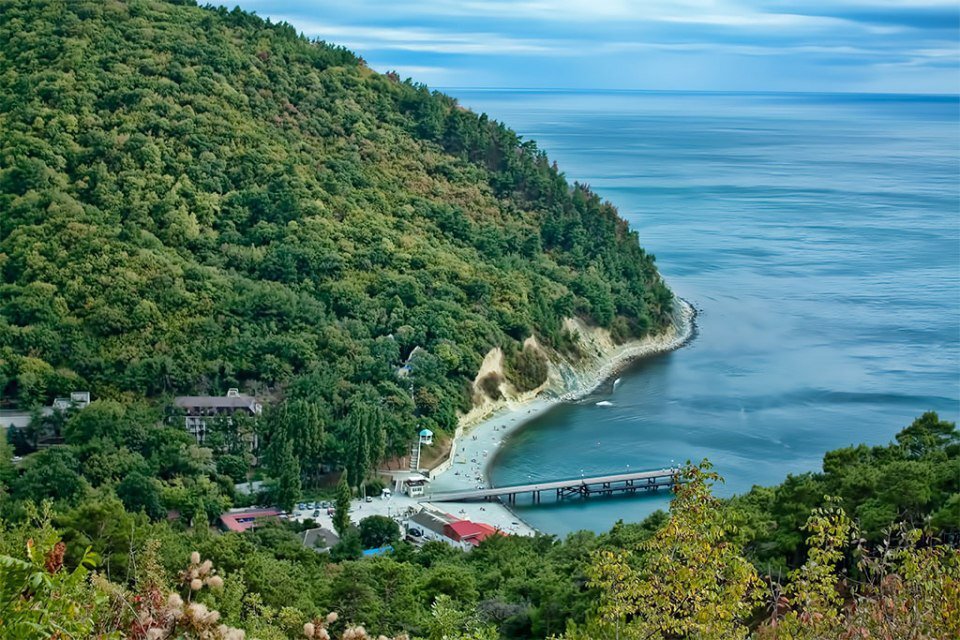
(412, 484)
(416, 488)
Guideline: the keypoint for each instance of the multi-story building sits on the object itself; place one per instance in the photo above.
(201, 410)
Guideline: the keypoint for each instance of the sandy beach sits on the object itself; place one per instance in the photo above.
(476, 444)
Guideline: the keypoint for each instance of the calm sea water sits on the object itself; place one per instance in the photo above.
(819, 235)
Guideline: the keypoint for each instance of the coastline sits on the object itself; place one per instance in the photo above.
(480, 436)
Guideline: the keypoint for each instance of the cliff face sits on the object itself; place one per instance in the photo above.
(570, 376)
(196, 199)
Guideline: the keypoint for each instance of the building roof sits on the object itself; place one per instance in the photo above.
(433, 520)
(379, 551)
(408, 476)
(215, 402)
(319, 538)
(242, 519)
(467, 531)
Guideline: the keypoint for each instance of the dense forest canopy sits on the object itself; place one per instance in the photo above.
(195, 199)
(780, 562)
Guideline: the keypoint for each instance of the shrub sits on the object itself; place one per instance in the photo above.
(490, 385)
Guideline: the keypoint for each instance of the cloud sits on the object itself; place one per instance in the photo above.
(431, 75)
(824, 45)
(364, 38)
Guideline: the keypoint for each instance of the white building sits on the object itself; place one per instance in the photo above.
(410, 483)
(428, 524)
(77, 400)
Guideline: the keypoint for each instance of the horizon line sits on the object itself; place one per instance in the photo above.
(698, 91)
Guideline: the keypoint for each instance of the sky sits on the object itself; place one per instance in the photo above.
(885, 46)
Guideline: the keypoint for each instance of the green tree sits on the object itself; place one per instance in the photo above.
(287, 469)
(341, 515)
(688, 580)
(41, 599)
(101, 523)
(302, 422)
(906, 590)
(348, 548)
(198, 500)
(234, 466)
(142, 493)
(928, 434)
(8, 472)
(378, 531)
(51, 474)
(448, 622)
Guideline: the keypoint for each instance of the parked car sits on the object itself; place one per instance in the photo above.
(316, 513)
(325, 505)
(369, 499)
(331, 511)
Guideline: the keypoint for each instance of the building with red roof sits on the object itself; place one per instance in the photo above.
(466, 531)
(240, 520)
(432, 524)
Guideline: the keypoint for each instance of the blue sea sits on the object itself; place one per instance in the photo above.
(818, 235)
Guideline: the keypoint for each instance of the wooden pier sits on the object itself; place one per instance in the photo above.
(627, 483)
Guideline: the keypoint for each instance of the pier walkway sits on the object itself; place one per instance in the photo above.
(629, 482)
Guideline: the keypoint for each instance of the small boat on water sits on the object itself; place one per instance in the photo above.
(616, 383)
(604, 403)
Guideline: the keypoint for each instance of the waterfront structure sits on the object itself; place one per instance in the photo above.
(584, 486)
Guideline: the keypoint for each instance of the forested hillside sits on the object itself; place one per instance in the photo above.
(194, 199)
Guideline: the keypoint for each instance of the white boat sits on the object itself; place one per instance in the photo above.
(604, 403)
